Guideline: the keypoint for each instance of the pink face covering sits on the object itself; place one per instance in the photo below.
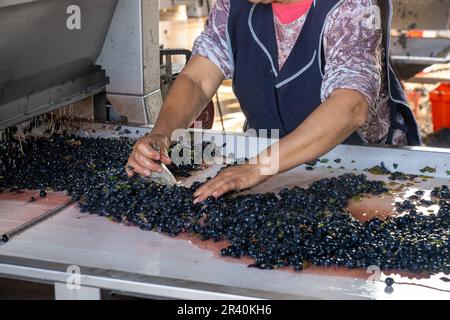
(289, 12)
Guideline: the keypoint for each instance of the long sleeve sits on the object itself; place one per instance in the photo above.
(353, 49)
(213, 42)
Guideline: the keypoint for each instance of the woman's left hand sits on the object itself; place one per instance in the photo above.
(234, 178)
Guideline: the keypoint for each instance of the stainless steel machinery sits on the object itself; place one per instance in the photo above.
(132, 60)
(45, 64)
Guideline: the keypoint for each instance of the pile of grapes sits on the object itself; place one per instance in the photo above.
(294, 228)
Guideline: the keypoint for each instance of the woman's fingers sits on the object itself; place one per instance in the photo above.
(225, 187)
(156, 150)
(147, 151)
(202, 193)
(228, 175)
(216, 188)
(146, 162)
(202, 188)
(130, 170)
(235, 178)
(208, 185)
(137, 168)
(164, 156)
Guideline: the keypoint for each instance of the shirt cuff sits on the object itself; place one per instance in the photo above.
(206, 48)
(355, 82)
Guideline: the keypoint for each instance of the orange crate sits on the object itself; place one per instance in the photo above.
(440, 106)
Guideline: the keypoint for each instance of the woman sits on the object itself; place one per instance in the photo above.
(316, 70)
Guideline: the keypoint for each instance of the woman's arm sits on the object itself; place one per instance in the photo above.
(193, 88)
(353, 52)
(190, 93)
(353, 47)
(329, 125)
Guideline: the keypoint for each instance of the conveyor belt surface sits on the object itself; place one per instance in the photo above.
(118, 257)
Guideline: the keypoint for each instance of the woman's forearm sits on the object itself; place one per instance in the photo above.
(329, 125)
(189, 94)
(183, 104)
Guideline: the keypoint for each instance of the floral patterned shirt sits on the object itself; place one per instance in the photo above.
(354, 57)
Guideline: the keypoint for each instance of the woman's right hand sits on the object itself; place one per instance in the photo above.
(147, 152)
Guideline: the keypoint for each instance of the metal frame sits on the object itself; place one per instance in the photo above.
(124, 282)
(43, 64)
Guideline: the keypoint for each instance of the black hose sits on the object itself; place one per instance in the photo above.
(219, 107)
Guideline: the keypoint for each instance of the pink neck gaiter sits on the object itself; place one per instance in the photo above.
(289, 12)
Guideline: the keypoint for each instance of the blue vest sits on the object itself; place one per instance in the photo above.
(282, 99)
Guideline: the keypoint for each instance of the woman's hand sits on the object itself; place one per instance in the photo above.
(194, 88)
(147, 150)
(234, 178)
